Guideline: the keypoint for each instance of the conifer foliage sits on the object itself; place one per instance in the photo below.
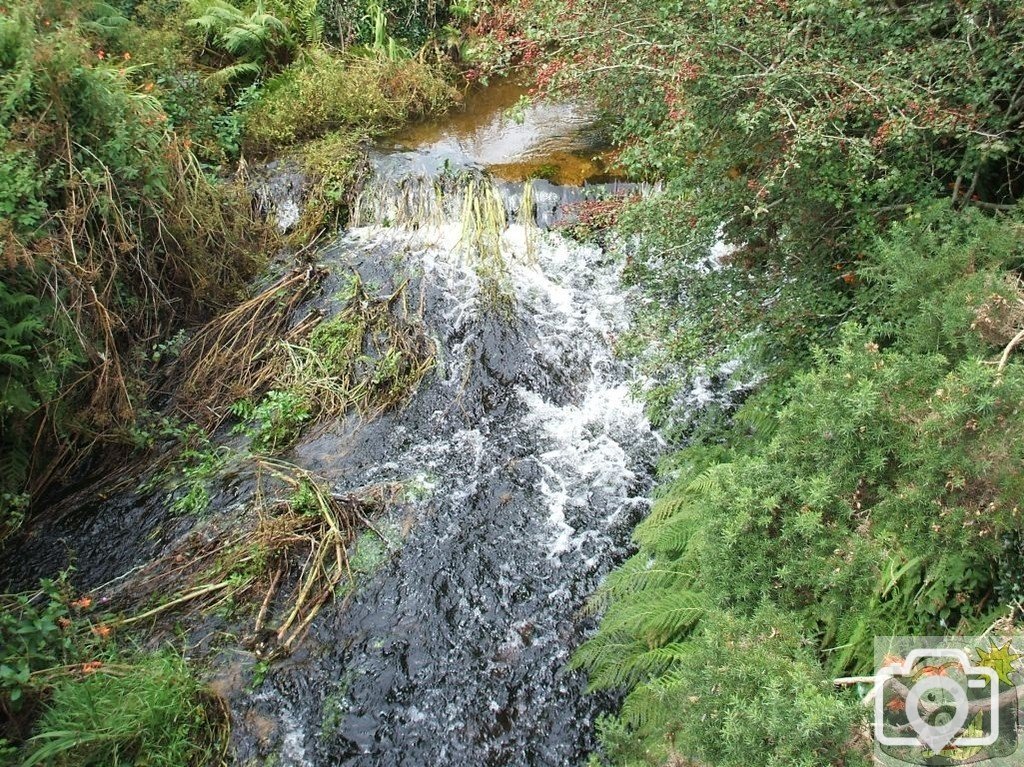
(883, 497)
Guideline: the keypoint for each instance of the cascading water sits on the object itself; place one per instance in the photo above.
(525, 463)
(534, 459)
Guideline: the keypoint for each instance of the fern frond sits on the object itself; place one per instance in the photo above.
(638, 667)
(676, 516)
(244, 39)
(657, 616)
(14, 360)
(663, 697)
(641, 572)
(234, 72)
(15, 397)
(14, 465)
(211, 16)
(666, 507)
(759, 420)
(307, 20)
(605, 651)
(21, 330)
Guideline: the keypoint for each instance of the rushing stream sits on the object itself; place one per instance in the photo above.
(533, 459)
(525, 456)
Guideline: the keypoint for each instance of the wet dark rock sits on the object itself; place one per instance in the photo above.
(526, 464)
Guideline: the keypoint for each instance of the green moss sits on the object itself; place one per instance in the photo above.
(547, 171)
(371, 551)
(334, 164)
(336, 706)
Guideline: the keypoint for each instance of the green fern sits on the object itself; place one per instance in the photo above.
(258, 39)
(241, 70)
(649, 702)
(21, 324)
(308, 22)
(105, 22)
(640, 573)
(639, 666)
(656, 615)
(23, 377)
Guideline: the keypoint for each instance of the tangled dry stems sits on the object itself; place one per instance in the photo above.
(291, 558)
(370, 356)
(237, 354)
(158, 253)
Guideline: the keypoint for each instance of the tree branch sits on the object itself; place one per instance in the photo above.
(1009, 348)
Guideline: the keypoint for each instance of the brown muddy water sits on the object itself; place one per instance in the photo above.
(556, 141)
(524, 461)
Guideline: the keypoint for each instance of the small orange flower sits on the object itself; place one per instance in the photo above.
(100, 54)
(896, 704)
(127, 56)
(82, 604)
(64, 623)
(148, 87)
(92, 666)
(103, 631)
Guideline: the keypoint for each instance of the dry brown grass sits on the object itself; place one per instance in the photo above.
(1000, 316)
(369, 357)
(238, 353)
(159, 256)
(287, 560)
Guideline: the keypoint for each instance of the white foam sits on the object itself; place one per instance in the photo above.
(575, 300)
(291, 751)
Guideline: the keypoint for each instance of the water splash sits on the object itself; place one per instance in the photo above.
(531, 461)
(526, 464)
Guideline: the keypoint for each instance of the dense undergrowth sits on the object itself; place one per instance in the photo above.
(123, 222)
(861, 163)
(129, 239)
(109, 220)
(106, 702)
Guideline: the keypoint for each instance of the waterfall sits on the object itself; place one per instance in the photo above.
(531, 460)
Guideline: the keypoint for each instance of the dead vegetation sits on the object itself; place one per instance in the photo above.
(1001, 316)
(262, 364)
(289, 558)
(370, 356)
(287, 554)
(237, 354)
(120, 276)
